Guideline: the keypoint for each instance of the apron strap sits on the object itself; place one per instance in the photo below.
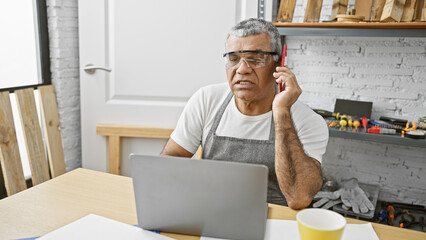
(220, 114)
(272, 131)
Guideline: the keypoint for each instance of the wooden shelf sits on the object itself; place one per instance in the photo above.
(376, 25)
(381, 138)
(361, 29)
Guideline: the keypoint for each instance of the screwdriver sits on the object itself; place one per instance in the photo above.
(356, 124)
(391, 211)
(364, 122)
(325, 113)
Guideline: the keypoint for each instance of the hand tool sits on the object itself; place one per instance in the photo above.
(343, 122)
(384, 124)
(408, 127)
(356, 124)
(391, 213)
(416, 134)
(380, 130)
(364, 122)
(395, 121)
(282, 85)
(407, 219)
(325, 113)
(331, 123)
(382, 216)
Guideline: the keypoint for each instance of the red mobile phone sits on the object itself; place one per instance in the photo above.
(282, 85)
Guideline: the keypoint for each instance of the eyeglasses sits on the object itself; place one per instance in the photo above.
(253, 58)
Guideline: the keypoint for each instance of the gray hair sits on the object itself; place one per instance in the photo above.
(254, 26)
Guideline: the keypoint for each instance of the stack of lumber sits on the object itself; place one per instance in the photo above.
(366, 11)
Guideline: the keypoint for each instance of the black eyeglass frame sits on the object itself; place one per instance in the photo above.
(250, 51)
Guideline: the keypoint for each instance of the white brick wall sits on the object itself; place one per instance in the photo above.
(342, 67)
(390, 72)
(63, 40)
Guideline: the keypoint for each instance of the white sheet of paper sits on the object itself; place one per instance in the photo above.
(359, 231)
(96, 227)
(277, 229)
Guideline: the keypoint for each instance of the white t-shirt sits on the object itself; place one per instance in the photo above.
(198, 115)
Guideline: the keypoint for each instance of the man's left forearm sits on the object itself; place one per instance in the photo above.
(299, 176)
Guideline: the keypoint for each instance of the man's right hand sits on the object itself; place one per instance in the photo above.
(285, 99)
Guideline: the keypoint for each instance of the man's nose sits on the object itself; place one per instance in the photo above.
(244, 67)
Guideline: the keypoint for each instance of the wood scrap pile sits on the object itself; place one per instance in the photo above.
(364, 10)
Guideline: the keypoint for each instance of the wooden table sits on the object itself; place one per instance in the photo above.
(57, 202)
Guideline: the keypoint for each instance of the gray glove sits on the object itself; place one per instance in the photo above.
(353, 196)
(327, 199)
(350, 194)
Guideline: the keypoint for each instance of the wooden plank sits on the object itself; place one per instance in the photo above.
(409, 9)
(9, 152)
(339, 7)
(286, 10)
(349, 18)
(52, 134)
(114, 154)
(115, 133)
(133, 131)
(363, 8)
(313, 11)
(423, 18)
(423, 15)
(393, 10)
(377, 10)
(418, 10)
(32, 135)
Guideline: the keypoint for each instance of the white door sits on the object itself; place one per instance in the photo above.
(160, 52)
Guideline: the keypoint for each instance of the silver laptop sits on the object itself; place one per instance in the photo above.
(200, 197)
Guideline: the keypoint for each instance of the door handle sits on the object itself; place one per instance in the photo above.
(90, 68)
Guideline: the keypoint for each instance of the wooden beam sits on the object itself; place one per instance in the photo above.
(286, 10)
(114, 154)
(377, 10)
(133, 131)
(409, 9)
(423, 18)
(32, 135)
(363, 8)
(52, 134)
(313, 11)
(339, 7)
(9, 152)
(418, 10)
(393, 10)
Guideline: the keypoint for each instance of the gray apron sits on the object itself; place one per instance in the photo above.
(246, 151)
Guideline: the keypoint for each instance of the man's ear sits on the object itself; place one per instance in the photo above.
(279, 61)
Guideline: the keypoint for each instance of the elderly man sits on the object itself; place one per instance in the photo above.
(249, 120)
